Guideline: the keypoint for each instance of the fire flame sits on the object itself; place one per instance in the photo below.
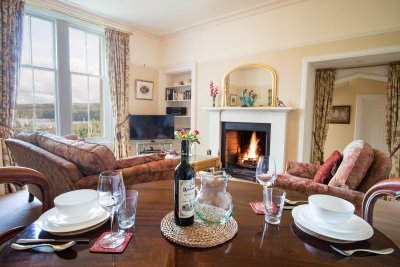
(252, 151)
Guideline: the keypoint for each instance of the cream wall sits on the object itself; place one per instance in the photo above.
(340, 135)
(138, 106)
(282, 38)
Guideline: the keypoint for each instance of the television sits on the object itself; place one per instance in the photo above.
(151, 127)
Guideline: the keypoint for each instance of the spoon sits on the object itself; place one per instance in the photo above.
(44, 247)
(294, 202)
(352, 251)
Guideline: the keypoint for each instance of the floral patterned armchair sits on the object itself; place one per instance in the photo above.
(361, 168)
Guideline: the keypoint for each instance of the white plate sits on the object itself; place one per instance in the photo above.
(348, 227)
(363, 232)
(56, 218)
(47, 226)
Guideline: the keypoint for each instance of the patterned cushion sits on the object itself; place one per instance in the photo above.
(379, 170)
(357, 158)
(73, 136)
(90, 158)
(302, 169)
(324, 174)
(27, 136)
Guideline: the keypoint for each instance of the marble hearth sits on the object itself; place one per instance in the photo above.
(276, 116)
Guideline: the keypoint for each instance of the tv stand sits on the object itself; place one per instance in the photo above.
(153, 146)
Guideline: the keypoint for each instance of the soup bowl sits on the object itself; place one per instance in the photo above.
(76, 203)
(331, 209)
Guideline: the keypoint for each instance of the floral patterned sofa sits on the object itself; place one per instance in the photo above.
(73, 164)
(361, 167)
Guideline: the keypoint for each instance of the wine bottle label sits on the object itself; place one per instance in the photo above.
(186, 198)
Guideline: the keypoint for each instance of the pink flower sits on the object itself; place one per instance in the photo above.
(213, 90)
(183, 132)
(196, 132)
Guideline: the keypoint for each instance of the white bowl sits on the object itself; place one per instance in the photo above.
(76, 203)
(331, 209)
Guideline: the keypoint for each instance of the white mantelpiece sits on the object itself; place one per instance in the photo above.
(276, 116)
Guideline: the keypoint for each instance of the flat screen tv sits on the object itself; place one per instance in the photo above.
(150, 127)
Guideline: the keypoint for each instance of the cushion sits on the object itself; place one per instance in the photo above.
(324, 173)
(27, 136)
(90, 158)
(357, 158)
(379, 170)
(73, 136)
(141, 159)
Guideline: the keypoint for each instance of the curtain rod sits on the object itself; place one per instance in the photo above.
(364, 66)
(72, 11)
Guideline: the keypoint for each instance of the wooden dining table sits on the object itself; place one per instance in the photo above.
(255, 244)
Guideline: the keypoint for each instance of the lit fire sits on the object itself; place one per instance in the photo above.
(251, 155)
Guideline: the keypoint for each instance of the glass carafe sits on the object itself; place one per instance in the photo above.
(213, 204)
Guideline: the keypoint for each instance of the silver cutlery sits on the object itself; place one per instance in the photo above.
(44, 247)
(352, 251)
(294, 202)
(47, 240)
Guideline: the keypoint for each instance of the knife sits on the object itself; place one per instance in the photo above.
(33, 241)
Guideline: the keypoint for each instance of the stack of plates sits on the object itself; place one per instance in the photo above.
(355, 229)
(57, 223)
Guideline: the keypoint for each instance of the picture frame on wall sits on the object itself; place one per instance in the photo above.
(232, 100)
(340, 114)
(144, 90)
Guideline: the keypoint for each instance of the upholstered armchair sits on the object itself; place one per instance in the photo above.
(348, 177)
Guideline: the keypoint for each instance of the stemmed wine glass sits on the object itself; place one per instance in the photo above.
(266, 171)
(110, 194)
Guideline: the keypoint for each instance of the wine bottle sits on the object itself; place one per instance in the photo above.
(184, 189)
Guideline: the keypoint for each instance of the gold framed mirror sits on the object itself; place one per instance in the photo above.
(250, 85)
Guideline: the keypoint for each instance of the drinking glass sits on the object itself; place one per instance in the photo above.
(126, 212)
(266, 171)
(273, 199)
(110, 194)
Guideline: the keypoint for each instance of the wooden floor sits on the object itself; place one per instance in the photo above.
(15, 211)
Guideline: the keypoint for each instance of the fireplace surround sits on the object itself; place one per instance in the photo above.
(276, 117)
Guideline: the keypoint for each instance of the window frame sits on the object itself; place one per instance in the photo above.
(63, 74)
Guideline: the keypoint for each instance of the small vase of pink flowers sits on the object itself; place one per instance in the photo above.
(213, 91)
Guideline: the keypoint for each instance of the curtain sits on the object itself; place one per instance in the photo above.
(11, 25)
(117, 49)
(392, 117)
(324, 84)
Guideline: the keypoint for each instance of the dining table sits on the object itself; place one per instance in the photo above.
(255, 243)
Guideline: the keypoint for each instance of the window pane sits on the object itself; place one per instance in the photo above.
(24, 112)
(26, 41)
(95, 123)
(42, 42)
(77, 50)
(80, 114)
(93, 54)
(44, 100)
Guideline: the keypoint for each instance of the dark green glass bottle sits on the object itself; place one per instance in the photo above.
(184, 189)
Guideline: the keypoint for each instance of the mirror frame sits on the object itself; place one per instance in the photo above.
(224, 100)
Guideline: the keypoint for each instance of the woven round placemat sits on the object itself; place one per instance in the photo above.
(199, 234)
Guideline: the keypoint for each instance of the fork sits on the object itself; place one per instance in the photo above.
(294, 202)
(352, 251)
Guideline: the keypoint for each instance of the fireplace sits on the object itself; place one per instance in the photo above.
(242, 144)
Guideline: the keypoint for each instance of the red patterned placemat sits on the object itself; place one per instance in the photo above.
(258, 207)
(97, 248)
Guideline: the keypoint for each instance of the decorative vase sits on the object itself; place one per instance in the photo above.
(213, 101)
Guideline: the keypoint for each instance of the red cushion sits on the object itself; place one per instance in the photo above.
(324, 173)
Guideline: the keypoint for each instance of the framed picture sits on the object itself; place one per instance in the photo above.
(144, 90)
(340, 114)
(232, 100)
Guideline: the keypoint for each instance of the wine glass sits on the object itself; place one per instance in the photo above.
(266, 170)
(110, 194)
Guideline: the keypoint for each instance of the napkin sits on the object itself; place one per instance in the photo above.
(97, 248)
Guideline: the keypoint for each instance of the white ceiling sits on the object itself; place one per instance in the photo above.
(163, 17)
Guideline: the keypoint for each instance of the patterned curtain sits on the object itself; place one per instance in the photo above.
(11, 25)
(392, 118)
(324, 84)
(117, 49)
